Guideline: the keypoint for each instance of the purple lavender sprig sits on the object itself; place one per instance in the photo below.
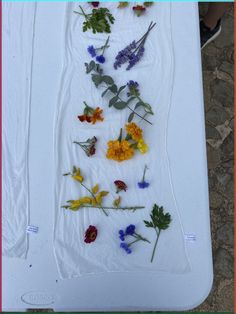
(133, 52)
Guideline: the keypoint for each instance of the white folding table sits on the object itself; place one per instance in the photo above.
(34, 282)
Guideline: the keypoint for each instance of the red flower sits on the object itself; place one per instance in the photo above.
(120, 186)
(95, 4)
(139, 9)
(92, 150)
(84, 117)
(90, 234)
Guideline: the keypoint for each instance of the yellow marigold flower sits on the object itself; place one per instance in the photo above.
(142, 146)
(77, 176)
(119, 150)
(134, 131)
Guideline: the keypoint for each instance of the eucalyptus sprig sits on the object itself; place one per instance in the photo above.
(99, 20)
(116, 101)
(159, 221)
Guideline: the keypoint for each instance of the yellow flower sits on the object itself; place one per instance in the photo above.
(77, 203)
(142, 146)
(119, 150)
(134, 131)
(117, 201)
(77, 176)
(99, 197)
(95, 189)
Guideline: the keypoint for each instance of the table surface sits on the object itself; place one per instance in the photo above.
(38, 285)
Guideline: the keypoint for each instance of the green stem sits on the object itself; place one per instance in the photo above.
(133, 242)
(105, 46)
(154, 249)
(141, 238)
(84, 14)
(112, 207)
(139, 115)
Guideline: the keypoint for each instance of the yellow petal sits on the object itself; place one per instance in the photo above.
(95, 189)
(117, 201)
(103, 193)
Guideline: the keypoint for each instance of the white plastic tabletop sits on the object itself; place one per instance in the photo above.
(34, 282)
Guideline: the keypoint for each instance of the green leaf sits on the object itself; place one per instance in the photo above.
(107, 79)
(113, 100)
(105, 91)
(139, 104)
(148, 108)
(148, 224)
(90, 66)
(130, 99)
(159, 218)
(113, 88)
(120, 105)
(131, 116)
(97, 79)
(121, 88)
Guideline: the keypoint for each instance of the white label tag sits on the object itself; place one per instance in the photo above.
(32, 229)
(190, 237)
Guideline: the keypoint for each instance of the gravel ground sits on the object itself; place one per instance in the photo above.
(218, 75)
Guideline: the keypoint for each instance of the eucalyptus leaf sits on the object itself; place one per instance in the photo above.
(113, 100)
(97, 79)
(107, 79)
(131, 116)
(113, 88)
(120, 105)
(121, 88)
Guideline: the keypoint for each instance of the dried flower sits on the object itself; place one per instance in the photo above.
(139, 9)
(148, 4)
(117, 201)
(134, 51)
(100, 59)
(120, 186)
(93, 51)
(123, 5)
(88, 146)
(125, 247)
(143, 184)
(91, 115)
(77, 175)
(119, 150)
(130, 231)
(134, 131)
(142, 146)
(95, 4)
(90, 234)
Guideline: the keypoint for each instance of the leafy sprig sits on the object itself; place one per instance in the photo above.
(98, 21)
(159, 221)
(116, 101)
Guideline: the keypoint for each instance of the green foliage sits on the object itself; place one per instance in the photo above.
(98, 21)
(158, 218)
(116, 101)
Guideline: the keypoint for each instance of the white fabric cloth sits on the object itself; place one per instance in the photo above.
(18, 33)
(154, 73)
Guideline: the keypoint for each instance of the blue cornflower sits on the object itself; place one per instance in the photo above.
(121, 235)
(100, 59)
(130, 230)
(143, 184)
(91, 51)
(125, 247)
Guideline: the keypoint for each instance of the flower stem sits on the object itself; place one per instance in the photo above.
(112, 207)
(129, 244)
(154, 249)
(139, 115)
(141, 238)
(105, 46)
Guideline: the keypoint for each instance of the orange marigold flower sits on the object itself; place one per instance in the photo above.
(97, 115)
(134, 131)
(119, 150)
